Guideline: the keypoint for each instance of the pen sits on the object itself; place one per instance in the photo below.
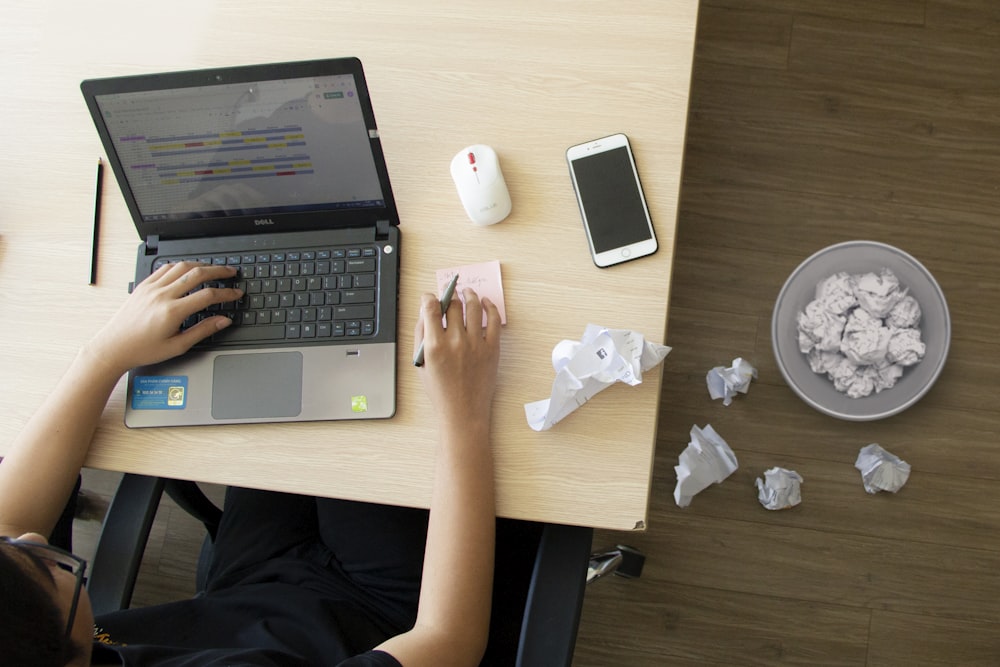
(449, 292)
(97, 223)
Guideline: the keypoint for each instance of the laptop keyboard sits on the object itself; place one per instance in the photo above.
(298, 296)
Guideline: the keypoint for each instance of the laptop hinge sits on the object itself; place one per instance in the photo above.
(152, 244)
(382, 229)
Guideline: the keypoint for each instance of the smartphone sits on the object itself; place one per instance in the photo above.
(613, 207)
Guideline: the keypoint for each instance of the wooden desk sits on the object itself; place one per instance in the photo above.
(528, 78)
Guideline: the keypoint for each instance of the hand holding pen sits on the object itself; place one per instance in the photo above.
(462, 355)
(449, 292)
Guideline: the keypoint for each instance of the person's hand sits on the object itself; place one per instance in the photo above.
(147, 328)
(460, 361)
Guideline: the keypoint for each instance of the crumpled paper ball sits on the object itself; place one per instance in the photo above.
(880, 470)
(706, 460)
(725, 383)
(780, 489)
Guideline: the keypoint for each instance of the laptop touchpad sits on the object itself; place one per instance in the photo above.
(266, 385)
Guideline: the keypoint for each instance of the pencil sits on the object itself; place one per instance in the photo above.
(97, 223)
(449, 291)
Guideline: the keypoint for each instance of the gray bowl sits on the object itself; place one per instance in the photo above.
(860, 257)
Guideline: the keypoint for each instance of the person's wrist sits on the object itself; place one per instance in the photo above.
(102, 361)
(473, 429)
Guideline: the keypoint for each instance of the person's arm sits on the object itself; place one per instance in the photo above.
(459, 373)
(40, 468)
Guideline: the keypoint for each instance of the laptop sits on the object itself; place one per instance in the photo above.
(277, 170)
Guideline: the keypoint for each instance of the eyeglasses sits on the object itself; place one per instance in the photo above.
(64, 560)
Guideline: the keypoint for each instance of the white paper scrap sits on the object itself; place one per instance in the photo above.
(780, 489)
(706, 460)
(602, 357)
(880, 470)
(725, 383)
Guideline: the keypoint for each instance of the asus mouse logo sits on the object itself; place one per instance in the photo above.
(263, 221)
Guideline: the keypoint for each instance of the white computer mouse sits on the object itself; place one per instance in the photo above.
(480, 184)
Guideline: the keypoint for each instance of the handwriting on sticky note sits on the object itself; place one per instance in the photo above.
(483, 278)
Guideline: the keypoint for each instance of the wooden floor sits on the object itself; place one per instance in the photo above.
(812, 122)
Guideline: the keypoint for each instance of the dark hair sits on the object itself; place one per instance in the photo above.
(33, 626)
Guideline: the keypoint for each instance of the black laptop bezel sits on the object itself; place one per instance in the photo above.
(244, 224)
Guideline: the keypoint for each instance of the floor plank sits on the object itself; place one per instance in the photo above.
(688, 625)
(879, 53)
(812, 564)
(906, 639)
(744, 37)
(965, 15)
(906, 12)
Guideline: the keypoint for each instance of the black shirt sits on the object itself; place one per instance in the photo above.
(287, 613)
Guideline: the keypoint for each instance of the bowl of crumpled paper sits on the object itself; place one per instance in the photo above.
(861, 330)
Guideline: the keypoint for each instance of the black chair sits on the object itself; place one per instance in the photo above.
(539, 581)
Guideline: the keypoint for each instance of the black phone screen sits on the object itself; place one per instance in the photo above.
(612, 203)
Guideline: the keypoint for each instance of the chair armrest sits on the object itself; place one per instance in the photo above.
(122, 542)
(555, 597)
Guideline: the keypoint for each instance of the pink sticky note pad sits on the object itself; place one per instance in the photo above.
(483, 278)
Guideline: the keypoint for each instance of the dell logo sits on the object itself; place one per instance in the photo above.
(263, 221)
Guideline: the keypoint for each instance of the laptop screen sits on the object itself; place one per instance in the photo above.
(250, 148)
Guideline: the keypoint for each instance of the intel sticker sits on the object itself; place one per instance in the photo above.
(159, 392)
